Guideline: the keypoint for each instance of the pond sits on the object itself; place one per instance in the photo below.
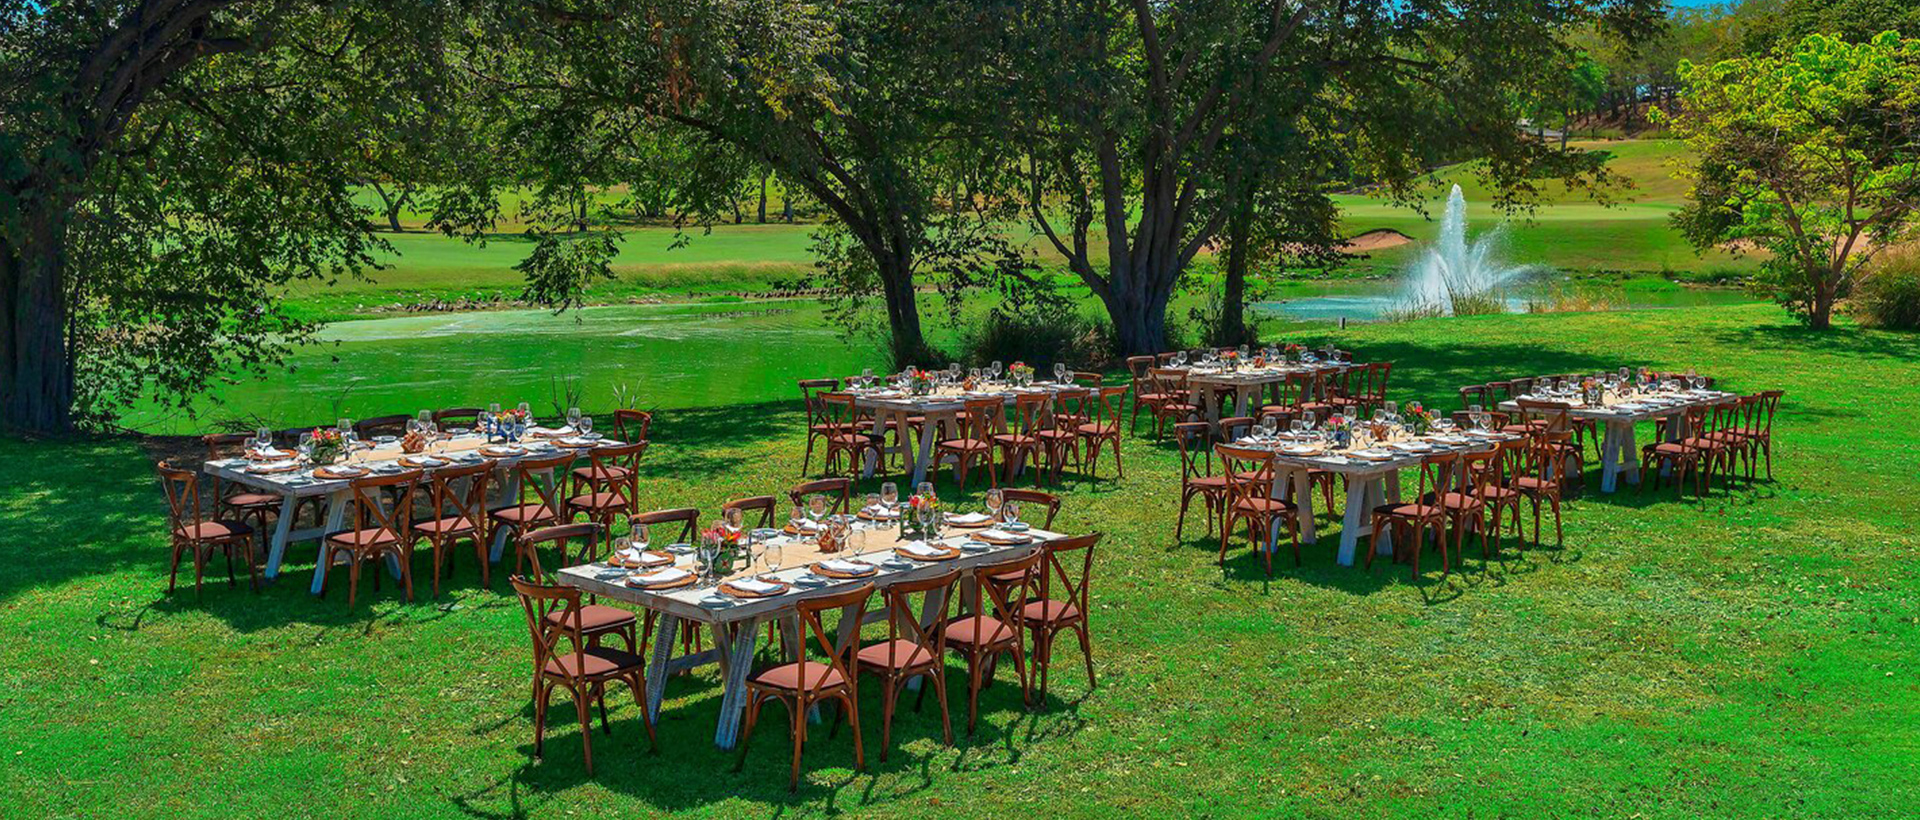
(1368, 300)
(667, 355)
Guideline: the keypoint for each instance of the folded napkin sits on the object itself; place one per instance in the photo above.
(878, 511)
(804, 525)
(1003, 535)
(576, 441)
(919, 549)
(269, 453)
(426, 461)
(754, 585)
(969, 518)
(552, 432)
(670, 575)
(846, 567)
(632, 555)
(275, 466)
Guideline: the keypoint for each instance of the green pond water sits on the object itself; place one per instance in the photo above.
(1367, 300)
(669, 356)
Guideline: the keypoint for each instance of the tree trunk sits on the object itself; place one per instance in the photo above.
(1820, 313)
(1138, 328)
(1233, 325)
(36, 375)
(786, 207)
(763, 198)
(903, 313)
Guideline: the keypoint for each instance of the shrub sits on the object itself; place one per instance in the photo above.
(1890, 296)
(1038, 338)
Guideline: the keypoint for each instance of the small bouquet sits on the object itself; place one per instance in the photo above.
(1230, 360)
(1419, 418)
(723, 546)
(919, 382)
(1341, 431)
(325, 446)
(923, 520)
(506, 424)
(1020, 373)
(1590, 392)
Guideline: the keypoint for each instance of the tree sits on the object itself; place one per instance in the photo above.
(854, 104)
(1126, 115)
(166, 167)
(1811, 153)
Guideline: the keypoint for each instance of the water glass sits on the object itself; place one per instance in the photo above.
(1010, 512)
(584, 425)
(639, 537)
(890, 492)
(772, 555)
(995, 500)
(573, 416)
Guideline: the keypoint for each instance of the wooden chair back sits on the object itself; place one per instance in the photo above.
(1235, 427)
(449, 500)
(1069, 584)
(1196, 461)
(762, 504)
(625, 481)
(1249, 472)
(1072, 404)
(835, 408)
(1045, 499)
(366, 429)
(811, 391)
(687, 517)
(585, 538)
(1088, 379)
(840, 490)
(183, 496)
(980, 419)
(1473, 394)
(1033, 411)
(1378, 372)
(553, 615)
(632, 425)
(1106, 408)
(1170, 381)
(1001, 593)
(852, 604)
(904, 617)
(1555, 413)
(531, 469)
(365, 503)
(457, 417)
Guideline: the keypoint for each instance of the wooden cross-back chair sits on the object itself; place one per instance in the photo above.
(1196, 474)
(839, 492)
(1059, 436)
(376, 529)
(981, 638)
(1102, 429)
(979, 421)
(245, 503)
(632, 425)
(190, 530)
(846, 439)
(614, 486)
(1250, 479)
(669, 527)
(818, 425)
(540, 474)
(457, 499)
(452, 417)
(1409, 521)
(914, 647)
(394, 425)
(556, 620)
(1178, 404)
(574, 545)
(1144, 392)
(1023, 442)
(803, 683)
(1062, 604)
(763, 505)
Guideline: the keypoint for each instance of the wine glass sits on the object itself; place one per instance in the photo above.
(263, 440)
(925, 514)
(639, 537)
(890, 492)
(995, 500)
(1010, 512)
(573, 416)
(924, 489)
(994, 370)
(798, 516)
(306, 446)
(816, 509)
(872, 503)
(1269, 426)
(1060, 372)
(734, 518)
(584, 425)
(703, 560)
(772, 555)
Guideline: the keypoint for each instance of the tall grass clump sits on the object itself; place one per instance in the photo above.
(1890, 295)
(1038, 338)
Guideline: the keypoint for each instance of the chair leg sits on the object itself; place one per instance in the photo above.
(938, 680)
(542, 697)
(853, 721)
(798, 714)
(586, 727)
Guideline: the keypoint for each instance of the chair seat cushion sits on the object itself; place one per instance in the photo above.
(1096, 428)
(602, 474)
(597, 661)
(1208, 483)
(213, 530)
(1014, 440)
(1670, 448)
(372, 536)
(522, 513)
(787, 677)
(1178, 408)
(1527, 482)
(1408, 510)
(1049, 612)
(895, 654)
(968, 630)
(851, 440)
(965, 445)
(593, 618)
(1495, 493)
(1460, 501)
(253, 500)
(1262, 505)
(445, 526)
(597, 501)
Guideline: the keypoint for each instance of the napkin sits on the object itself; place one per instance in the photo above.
(272, 466)
(554, 432)
(269, 453)
(632, 555)
(576, 441)
(968, 518)
(878, 511)
(427, 461)
(1001, 534)
(846, 567)
(666, 576)
(754, 585)
(919, 549)
(804, 525)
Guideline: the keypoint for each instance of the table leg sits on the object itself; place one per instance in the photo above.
(926, 448)
(1243, 404)
(277, 549)
(1610, 456)
(663, 635)
(871, 459)
(1303, 503)
(1212, 403)
(736, 663)
(1629, 453)
(1359, 490)
(336, 516)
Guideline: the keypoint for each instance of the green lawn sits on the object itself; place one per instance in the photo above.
(1746, 655)
(1568, 233)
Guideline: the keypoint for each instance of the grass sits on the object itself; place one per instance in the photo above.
(1745, 655)
(1570, 233)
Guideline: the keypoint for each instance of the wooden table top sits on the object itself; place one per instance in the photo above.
(460, 451)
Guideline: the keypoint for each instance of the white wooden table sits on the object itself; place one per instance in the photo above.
(1248, 383)
(891, 407)
(1617, 416)
(296, 486)
(734, 623)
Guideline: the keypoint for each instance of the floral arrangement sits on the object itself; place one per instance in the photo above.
(327, 445)
(1419, 418)
(725, 544)
(1340, 429)
(921, 503)
(506, 424)
(1020, 373)
(919, 382)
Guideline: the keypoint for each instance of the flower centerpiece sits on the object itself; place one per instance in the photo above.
(923, 520)
(1419, 418)
(1341, 431)
(326, 446)
(919, 382)
(1020, 373)
(1230, 360)
(506, 425)
(1590, 392)
(725, 548)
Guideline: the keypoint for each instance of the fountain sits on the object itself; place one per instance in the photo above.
(1455, 272)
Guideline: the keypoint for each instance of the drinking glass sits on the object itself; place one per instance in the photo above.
(925, 488)
(890, 492)
(263, 439)
(995, 500)
(925, 515)
(584, 425)
(735, 518)
(703, 561)
(816, 508)
(573, 416)
(1059, 372)
(772, 555)
(798, 515)
(306, 446)
(1010, 512)
(493, 408)
(526, 408)
(872, 502)
(994, 369)
(344, 426)
(639, 537)
(1299, 426)
(1269, 425)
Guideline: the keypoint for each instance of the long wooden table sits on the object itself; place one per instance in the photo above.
(1370, 483)
(893, 408)
(734, 623)
(1247, 384)
(1617, 415)
(294, 487)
